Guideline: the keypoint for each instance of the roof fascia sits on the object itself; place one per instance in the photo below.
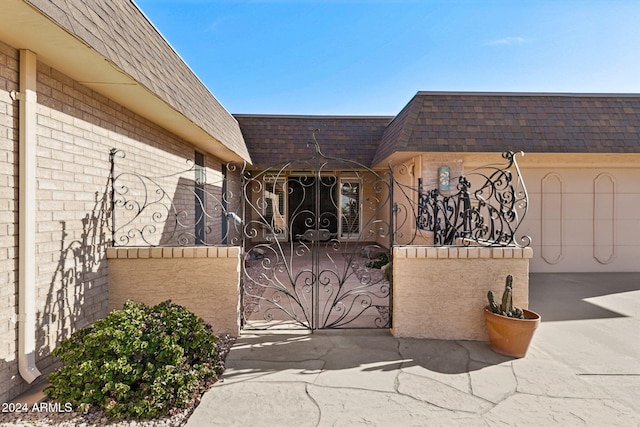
(531, 94)
(312, 117)
(25, 27)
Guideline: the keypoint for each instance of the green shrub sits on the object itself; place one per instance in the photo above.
(383, 259)
(138, 362)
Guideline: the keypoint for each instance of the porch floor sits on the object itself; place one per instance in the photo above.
(582, 369)
(293, 286)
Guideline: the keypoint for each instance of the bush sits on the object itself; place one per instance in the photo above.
(138, 362)
(383, 259)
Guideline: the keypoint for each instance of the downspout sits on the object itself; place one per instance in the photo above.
(27, 219)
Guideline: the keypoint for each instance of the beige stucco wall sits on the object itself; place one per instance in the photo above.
(205, 280)
(440, 292)
(375, 207)
(405, 193)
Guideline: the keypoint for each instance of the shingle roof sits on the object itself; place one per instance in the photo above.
(494, 122)
(273, 139)
(121, 33)
(457, 122)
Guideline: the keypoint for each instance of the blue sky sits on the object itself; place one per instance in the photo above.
(368, 57)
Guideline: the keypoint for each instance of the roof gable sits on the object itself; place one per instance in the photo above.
(398, 134)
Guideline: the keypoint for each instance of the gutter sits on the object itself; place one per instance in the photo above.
(27, 218)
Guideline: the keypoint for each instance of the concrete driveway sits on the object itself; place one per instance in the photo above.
(591, 323)
(583, 368)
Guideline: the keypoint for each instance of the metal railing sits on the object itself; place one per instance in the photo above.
(487, 207)
(178, 208)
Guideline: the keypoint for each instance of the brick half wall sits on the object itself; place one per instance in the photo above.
(440, 292)
(205, 280)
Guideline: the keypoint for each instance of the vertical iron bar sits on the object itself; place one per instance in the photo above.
(112, 155)
(420, 208)
(392, 226)
(199, 196)
(225, 207)
(315, 270)
(243, 201)
(466, 206)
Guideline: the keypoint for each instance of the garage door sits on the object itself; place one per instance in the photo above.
(583, 219)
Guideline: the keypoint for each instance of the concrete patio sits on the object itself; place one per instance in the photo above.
(583, 368)
(351, 294)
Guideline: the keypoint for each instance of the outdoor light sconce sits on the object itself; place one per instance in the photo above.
(444, 176)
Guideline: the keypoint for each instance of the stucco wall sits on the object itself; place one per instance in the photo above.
(76, 128)
(375, 206)
(440, 292)
(206, 280)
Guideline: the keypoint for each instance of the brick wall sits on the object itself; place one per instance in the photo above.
(8, 220)
(76, 128)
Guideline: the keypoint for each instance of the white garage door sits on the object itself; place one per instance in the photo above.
(583, 219)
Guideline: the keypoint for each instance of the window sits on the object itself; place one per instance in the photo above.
(350, 190)
(275, 208)
(199, 180)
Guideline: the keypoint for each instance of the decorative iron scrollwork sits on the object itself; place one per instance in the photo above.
(316, 242)
(175, 209)
(305, 259)
(488, 211)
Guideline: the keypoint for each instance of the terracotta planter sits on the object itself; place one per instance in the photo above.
(510, 336)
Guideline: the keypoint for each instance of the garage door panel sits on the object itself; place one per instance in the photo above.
(552, 254)
(628, 206)
(627, 232)
(571, 180)
(534, 213)
(604, 207)
(584, 220)
(578, 232)
(578, 206)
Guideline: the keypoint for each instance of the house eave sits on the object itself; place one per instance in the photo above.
(26, 27)
(529, 160)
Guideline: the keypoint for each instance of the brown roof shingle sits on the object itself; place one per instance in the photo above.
(272, 139)
(476, 122)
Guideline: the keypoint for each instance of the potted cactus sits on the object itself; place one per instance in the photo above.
(510, 328)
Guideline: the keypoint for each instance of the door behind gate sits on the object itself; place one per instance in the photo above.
(317, 239)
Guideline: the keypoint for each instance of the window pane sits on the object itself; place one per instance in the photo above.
(274, 208)
(350, 207)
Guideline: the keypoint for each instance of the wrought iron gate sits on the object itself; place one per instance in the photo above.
(317, 234)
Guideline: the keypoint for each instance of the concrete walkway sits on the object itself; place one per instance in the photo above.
(583, 368)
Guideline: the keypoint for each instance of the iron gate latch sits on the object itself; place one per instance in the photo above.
(317, 235)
